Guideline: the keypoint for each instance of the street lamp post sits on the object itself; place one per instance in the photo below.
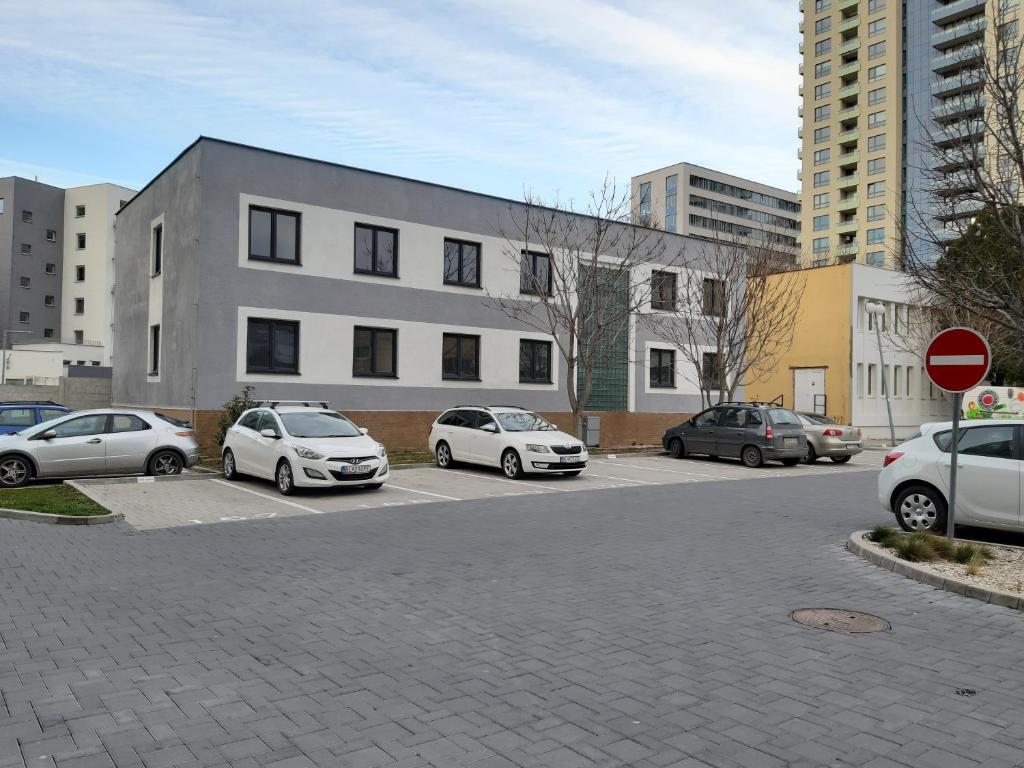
(3, 360)
(878, 311)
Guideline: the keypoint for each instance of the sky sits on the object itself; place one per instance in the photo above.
(503, 97)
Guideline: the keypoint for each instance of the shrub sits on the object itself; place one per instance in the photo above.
(943, 547)
(233, 408)
(917, 548)
(883, 535)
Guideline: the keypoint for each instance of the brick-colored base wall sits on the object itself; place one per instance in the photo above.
(408, 430)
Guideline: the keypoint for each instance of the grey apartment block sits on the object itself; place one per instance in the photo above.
(702, 202)
(208, 289)
(26, 248)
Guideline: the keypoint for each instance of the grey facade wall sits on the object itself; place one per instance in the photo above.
(76, 393)
(176, 195)
(199, 197)
(47, 206)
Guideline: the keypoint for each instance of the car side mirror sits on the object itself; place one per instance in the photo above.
(364, 431)
(269, 433)
(47, 435)
(492, 428)
(691, 421)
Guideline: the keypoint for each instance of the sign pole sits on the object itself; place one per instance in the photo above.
(958, 398)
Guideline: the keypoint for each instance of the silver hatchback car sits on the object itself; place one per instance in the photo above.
(106, 441)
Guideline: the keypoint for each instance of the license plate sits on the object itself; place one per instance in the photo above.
(564, 459)
(790, 442)
(853, 445)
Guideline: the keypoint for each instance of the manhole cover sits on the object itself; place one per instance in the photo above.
(836, 620)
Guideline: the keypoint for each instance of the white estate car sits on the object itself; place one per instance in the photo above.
(517, 440)
(914, 482)
(303, 446)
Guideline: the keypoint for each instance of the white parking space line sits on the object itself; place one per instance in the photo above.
(659, 469)
(425, 493)
(623, 479)
(488, 479)
(226, 484)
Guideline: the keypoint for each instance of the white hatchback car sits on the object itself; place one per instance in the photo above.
(517, 440)
(299, 446)
(914, 482)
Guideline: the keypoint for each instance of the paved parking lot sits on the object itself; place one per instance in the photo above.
(151, 505)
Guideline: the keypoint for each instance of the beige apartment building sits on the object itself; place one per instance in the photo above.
(852, 130)
(704, 203)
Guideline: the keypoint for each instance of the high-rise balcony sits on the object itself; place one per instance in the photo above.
(842, 5)
(972, 29)
(848, 203)
(967, 131)
(851, 68)
(961, 209)
(966, 156)
(848, 136)
(961, 9)
(959, 58)
(847, 182)
(965, 80)
(848, 158)
(958, 107)
(848, 249)
(849, 91)
(849, 46)
(849, 113)
(847, 227)
(847, 24)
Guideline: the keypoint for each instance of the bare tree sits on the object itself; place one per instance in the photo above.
(734, 313)
(576, 278)
(964, 246)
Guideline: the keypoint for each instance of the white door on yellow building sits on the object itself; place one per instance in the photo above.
(809, 390)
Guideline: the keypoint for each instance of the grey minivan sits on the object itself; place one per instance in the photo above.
(753, 432)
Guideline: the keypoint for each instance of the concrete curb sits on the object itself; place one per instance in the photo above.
(43, 517)
(616, 454)
(879, 556)
(79, 484)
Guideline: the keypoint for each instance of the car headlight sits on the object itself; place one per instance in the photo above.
(382, 451)
(537, 448)
(305, 453)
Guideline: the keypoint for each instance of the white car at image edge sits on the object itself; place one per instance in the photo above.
(514, 439)
(914, 481)
(299, 446)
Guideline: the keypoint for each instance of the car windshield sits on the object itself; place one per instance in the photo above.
(524, 421)
(318, 424)
(41, 426)
(783, 416)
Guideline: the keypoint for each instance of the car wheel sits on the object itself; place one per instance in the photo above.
(920, 508)
(443, 454)
(791, 462)
(841, 459)
(285, 478)
(573, 473)
(165, 463)
(811, 456)
(15, 471)
(511, 465)
(228, 465)
(676, 449)
(752, 456)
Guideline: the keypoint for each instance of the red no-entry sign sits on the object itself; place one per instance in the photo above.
(958, 359)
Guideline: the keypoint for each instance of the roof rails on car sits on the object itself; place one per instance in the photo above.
(306, 403)
(29, 402)
(518, 407)
(471, 405)
(750, 402)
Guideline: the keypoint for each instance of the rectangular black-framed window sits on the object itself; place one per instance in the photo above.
(26, 216)
(376, 250)
(663, 368)
(534, 361)
(79, 211)
(461, 263)
(51, 268)
(51, 235)
(79, 337)
(714, 303)
(26, 249)
(711, 374)
(272, 346)
(25, 282)
(50, 301)
(80, 241)
(460, 357)
(154, 350)
(375, 352)
(79, 306)
(79, 273)
(274, 235)
(23, 317)
(158, 249)
(47, 333)
(535, 273)
(663, 290)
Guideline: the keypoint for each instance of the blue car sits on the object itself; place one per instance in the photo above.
(15, 415)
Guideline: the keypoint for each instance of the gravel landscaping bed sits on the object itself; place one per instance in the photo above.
(1003, 570)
